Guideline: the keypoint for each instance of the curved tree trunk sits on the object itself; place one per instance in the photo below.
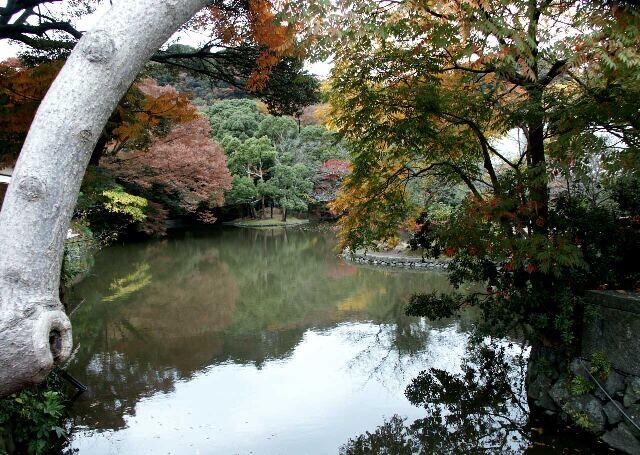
(35, 333)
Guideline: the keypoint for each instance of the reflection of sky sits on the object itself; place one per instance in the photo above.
(310, 402)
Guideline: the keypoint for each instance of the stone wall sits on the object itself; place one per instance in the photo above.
(396, 261)
(596, 389)
(615, 332)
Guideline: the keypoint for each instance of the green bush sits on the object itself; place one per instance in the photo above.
(31, 421)
(107, 207)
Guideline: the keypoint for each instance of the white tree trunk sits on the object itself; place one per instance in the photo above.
(35, 333)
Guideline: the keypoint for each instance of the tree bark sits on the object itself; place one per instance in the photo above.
(539, 184)
(35, 333)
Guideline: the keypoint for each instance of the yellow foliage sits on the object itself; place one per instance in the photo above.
(131, 283)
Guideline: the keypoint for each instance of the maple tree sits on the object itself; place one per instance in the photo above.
(425, 90)
(147, 110)
(185, 170)
(21, 90)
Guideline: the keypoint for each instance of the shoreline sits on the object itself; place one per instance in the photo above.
(390, 260)
(265, 223)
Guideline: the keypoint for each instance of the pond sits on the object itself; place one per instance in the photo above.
(264, 341)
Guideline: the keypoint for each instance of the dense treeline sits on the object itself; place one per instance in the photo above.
(162, 157)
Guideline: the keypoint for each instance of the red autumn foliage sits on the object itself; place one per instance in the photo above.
(21, 90)
(330, 176)
(147, 107)
(334, 169)
(252, 23)
(185, 163)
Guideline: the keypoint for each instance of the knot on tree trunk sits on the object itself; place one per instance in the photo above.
(30, 347)
(98, 46)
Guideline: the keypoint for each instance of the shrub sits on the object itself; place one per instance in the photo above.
(32, 419)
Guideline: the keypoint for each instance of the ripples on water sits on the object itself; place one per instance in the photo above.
(265, 342)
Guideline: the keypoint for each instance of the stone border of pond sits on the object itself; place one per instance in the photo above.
(259, 224)
(599, 390)
(395, 260)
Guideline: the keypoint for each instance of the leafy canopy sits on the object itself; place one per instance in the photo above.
(427, 91)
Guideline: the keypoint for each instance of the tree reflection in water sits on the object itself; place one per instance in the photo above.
(173, 329)
(157, 313)
(481, 409)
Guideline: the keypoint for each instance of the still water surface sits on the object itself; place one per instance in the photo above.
(248, 341)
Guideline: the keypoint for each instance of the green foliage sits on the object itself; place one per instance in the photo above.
(34, 416)
(290, 89)
(243, 191)
(121, 202)
(600, 366)
(293, 187)
(271, 159)
(106, 207)
(440, 211)
(316, 145)
(626, 193)
(580, 385)
(277, 129)
(252, 157)
(78, 253)
(580, 419)
(237, 118)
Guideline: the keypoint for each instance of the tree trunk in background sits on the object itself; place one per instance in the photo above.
(35, 333)
(539, 186)
(3, 190)
(98, 150)
(284, 214)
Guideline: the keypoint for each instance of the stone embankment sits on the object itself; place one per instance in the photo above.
(600, 389)
(395, 260)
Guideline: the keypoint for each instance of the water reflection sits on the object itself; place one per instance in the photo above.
(241, 340)
(481, 409)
